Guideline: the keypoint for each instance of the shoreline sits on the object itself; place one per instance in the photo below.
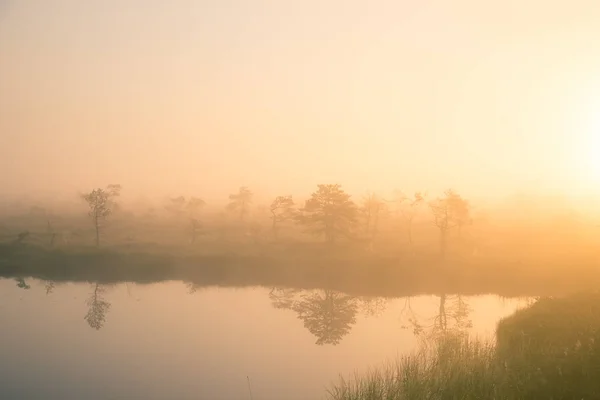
(361, 274)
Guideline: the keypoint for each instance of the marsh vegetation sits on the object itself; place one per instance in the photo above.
(550, 350)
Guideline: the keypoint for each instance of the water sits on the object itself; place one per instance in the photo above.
(173, 341)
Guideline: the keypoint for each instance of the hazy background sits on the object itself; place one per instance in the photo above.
(200, 97)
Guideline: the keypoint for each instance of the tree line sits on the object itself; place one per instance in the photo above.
(329, 213)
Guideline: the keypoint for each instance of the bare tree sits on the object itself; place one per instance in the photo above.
(450, 211)
(329, 212)
(102, 205)
(240, 202)
(282, 209)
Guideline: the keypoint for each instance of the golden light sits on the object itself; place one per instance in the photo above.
(586, 137)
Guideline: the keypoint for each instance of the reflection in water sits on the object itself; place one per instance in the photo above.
(97, 307)
(49, 286)
(216, 344)
(451, 318)
(283, 298)
(22, 284)
(373, 306)
(327, 314)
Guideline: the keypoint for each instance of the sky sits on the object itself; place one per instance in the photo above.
(201, 97)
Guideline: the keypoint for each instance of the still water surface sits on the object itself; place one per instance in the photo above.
(173, 341)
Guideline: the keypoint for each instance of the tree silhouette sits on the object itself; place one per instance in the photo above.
(194, 205)
(327, 314)
(51, 232)
(371, 209)
(329, 212)
(450, 211)
(97, 308)
(180, 206)
(282, 209)
(240, 201)
(102, 205)
(409, 212)
(176, 206)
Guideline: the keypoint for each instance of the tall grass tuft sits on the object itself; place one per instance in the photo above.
(452, 367)
(548, 351)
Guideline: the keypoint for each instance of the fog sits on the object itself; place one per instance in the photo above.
(199, 98)
(247, 198)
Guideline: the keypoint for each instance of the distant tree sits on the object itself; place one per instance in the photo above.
(176, 206)
(101, 203)
(410, 210)
(195, 229)
(398, 200)
(240, 202)
(194, 205)
(52, 233)
(180, 206)
(97, 308)
(449, 212)
(282, 209)
(371, 209)
(329, 212)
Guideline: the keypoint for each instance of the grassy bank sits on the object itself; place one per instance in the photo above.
(348, 270)
(548, 351)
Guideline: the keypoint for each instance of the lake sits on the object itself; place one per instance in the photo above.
(171, 340)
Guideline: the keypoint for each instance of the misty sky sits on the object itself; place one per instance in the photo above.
(200, 97)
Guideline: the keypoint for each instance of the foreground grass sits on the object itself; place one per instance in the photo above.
(548, 351)
(451, 368)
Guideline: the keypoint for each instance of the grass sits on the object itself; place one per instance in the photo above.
(348, 270)
(548, 351)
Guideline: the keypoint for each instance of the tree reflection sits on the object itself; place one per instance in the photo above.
(49, 287)
(97, 307)
(22, 284)
(283, 298)
(372, 306)
(451, 318)
(327, 314)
